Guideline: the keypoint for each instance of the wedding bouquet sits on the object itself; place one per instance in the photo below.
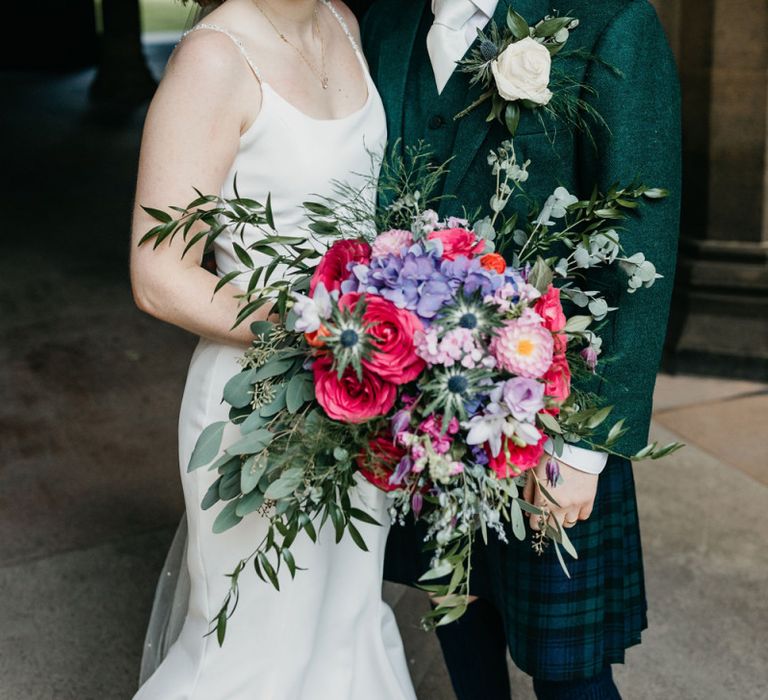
(416, 356)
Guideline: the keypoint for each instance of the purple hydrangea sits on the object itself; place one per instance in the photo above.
(413, 281)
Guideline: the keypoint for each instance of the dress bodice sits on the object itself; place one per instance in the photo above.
(294, 158)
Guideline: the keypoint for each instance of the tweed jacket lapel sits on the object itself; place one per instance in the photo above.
(396, 51)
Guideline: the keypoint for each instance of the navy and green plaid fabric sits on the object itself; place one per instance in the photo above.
(560, 628)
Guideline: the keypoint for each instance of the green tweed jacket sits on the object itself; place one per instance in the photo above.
(641, 139)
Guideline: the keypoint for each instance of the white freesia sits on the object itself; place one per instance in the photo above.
(522, 72)
(311, 312)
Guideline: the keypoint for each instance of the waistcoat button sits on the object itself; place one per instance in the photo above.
(436, 121)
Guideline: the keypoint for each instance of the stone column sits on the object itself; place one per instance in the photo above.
(123, 77)
(720, 313)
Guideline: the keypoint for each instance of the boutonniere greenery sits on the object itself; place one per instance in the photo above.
(517, 68)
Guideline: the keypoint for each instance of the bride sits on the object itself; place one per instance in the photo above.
(277, 92)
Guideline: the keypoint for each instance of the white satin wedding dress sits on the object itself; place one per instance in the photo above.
(327, 635)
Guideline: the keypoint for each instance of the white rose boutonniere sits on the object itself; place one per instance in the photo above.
(522, 72)
(516, 69)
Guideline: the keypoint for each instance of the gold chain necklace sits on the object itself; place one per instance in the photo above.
(322, 74)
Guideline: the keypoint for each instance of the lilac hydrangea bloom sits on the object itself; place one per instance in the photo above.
(470, 276)
(412, 281)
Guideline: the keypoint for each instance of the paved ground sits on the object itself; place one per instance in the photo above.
(88, 484)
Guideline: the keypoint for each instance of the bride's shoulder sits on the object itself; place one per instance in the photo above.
(210, 58)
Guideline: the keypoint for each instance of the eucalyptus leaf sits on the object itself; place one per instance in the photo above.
(578, 324)
(238, 391)
(443, 568)
(273, 368)
(211, 497)
(294, 391)
(518, 520)
(252, 470)
(540, 275)
(281, 488)
(550, 422)
(251, 443)
(249, 503)
(227, 518)
(207, 446)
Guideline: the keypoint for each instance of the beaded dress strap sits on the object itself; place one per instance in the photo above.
(345, 28)
(235, 40)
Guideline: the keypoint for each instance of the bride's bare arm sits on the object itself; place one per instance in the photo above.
(206, 99)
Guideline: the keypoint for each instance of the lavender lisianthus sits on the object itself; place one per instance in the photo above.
(523, 397)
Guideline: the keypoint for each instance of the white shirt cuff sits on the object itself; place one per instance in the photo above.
(587, 461)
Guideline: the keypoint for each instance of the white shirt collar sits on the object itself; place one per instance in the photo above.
(487, 7)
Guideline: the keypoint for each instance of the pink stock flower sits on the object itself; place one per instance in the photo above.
(391, 243)
(523, 348)
(347, 399)
(457, 346)
(458, 241)
(333, 268)
(433, 426)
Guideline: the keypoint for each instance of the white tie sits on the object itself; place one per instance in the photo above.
(447, 37)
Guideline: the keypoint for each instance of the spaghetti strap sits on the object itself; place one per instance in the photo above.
(235, 40)
(343, 23)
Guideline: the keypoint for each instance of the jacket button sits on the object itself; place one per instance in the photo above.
(436, 121)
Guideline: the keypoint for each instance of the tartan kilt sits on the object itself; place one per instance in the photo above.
(558, 628)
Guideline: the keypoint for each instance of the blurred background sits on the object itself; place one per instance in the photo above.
(89, 491)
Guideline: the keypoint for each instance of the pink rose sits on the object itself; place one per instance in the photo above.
(347, 399)
(458, 241)
(520, 458)
(551, 310)
(391, 243)
(393, 329)
(558, 379)
(333, 268)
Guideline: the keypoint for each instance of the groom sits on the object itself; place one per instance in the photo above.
(564, 632)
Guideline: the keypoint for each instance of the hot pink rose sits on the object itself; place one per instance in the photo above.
(458, 241)
(395, 357)
(551, 310)
(521, 459)
(332, 269)
(347, 399)
(378, 464)
(558, 379)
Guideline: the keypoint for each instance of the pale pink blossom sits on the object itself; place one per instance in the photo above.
(391, 243)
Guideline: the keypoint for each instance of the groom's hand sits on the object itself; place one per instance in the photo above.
(575, 495)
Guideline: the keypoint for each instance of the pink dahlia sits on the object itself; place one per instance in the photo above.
(391, 243)
(523, 348)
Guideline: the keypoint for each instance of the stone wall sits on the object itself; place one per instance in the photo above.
(720, 312)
